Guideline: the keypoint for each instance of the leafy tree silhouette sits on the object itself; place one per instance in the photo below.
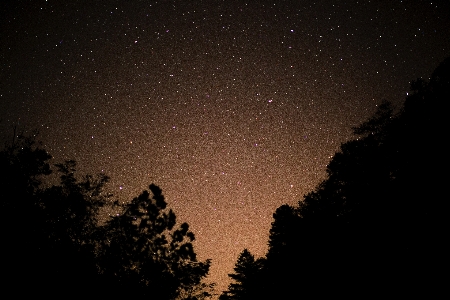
(200, 291)
(71, 209)
(52, 240)
(143, 250)
(379, 211)
(69, 236)
(246, 276)
(23, 164)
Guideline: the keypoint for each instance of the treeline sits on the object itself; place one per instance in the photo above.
(54, 246)
(378, 224)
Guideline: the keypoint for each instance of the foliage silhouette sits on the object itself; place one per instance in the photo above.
(246, 278)
(377, 222)
(142, 249)
(53, 240)
(69, 231)
(23, 164)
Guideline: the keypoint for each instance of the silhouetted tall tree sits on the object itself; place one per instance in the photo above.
(146, 255)
(246, 276)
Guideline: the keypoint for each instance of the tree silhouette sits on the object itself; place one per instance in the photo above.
(143, 250)
(379, 211)
(23, 164)
(200, 291)
(52, 240)
(246, 277)
(69, 235)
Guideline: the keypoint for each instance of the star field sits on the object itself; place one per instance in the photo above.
(233, 108)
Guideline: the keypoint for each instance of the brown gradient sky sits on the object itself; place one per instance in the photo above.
(231, 107)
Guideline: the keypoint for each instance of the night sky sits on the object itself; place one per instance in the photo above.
(233, 108)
